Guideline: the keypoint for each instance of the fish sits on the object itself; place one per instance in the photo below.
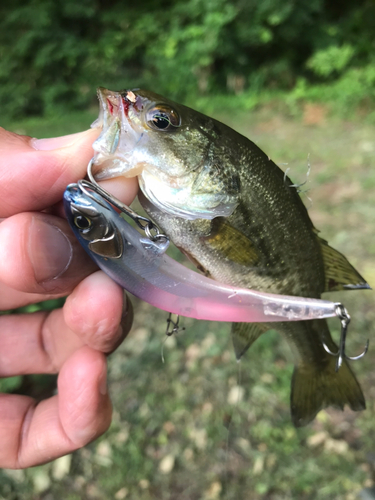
(240, 219)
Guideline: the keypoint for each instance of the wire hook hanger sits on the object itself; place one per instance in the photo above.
(152, 231)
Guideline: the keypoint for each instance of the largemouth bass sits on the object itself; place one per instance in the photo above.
(240, 219)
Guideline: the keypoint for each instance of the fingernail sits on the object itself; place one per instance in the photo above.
(56, 142)
(50, 250)
(103, 387)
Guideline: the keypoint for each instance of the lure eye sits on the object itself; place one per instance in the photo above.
(82, 222)
(163, 118)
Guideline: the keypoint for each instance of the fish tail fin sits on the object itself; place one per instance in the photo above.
(315, 387)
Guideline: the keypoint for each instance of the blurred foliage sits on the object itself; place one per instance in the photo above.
(54, 53)
(45, 305)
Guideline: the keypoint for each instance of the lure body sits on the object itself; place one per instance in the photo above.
(141, 266)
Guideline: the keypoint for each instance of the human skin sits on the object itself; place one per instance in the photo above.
(39, 260)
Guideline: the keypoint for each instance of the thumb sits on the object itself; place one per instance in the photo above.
(35, 172)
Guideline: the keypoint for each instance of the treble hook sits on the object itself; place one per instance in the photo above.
(175, 329)
(175, 326)
(344, 317)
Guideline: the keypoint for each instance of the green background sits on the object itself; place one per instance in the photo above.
(298, 78)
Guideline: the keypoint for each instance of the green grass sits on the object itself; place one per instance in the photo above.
(177, 413)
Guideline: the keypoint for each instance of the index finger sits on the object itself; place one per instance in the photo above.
(32, 179)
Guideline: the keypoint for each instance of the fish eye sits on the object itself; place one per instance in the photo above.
(163, 118)
(82, 222)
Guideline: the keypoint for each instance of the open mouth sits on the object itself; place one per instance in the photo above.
(119, 135)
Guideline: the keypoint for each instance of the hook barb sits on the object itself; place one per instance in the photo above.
(173, 326)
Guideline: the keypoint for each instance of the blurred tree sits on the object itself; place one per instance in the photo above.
(53, 53)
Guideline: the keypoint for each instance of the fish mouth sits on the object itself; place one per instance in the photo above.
(119, 114)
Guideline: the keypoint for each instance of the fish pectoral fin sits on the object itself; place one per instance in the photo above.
(339, 273)
(315, 388)
(231, 243)
(244, 335)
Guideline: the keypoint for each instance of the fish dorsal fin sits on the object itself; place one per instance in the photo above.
(339, 273)
(245, 334)
(231, 243)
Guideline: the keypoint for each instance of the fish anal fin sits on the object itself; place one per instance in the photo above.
(244, 335)
(231, 243)
(315, 388)
(339, 273)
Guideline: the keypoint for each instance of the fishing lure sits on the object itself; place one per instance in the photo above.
(140, 265)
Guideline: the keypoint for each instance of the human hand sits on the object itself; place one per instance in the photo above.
(40, 259)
